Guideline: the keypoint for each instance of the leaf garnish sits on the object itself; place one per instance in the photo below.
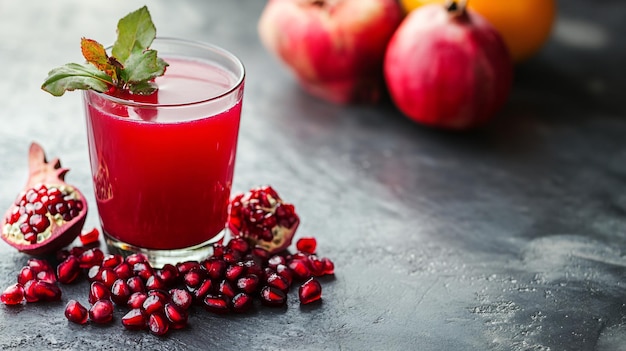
(135, 33)
(95, 54)
(74, 76)
(131, 66)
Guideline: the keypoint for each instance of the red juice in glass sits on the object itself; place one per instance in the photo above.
(163, 165)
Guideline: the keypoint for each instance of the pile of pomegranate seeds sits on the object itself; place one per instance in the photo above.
(159, 300)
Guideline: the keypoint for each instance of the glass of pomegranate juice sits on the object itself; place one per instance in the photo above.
(162, 164)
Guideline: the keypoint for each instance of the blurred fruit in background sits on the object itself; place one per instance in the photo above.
(448, 68)
(525, 25)
(334, 48)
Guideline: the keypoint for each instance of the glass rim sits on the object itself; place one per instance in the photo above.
(199, 44)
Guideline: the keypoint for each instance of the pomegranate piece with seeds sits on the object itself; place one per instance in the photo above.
(261, 217)
(49, 213)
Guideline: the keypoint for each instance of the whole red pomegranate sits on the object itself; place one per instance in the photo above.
(263, 218)
(334, 47)
(49, 214)
(448, 67)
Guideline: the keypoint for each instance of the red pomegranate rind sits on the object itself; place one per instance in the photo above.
(49, 214)
(263, 218)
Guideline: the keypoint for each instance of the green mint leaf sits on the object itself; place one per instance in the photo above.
(142, 66)
(76, 76)
(135, 33)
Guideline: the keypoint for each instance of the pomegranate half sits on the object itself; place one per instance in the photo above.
(49, 213)
(447, 67)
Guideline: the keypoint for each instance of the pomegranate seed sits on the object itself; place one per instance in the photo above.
(300, 269)
(91, 257)
(215, 268)
(120, 292)
(161, 294)
(316, 266)
(226, 289)
(46, 291)
(278, 282)
(47, 276)
(98, 291)
(153, 304)
(39, 223)
(273, 297)
(13, 295)
(112, 261)
(329, 266)
(203, 289)
(216, 304)
(143, 270)
(123, 270)
(285, 272)
(134, 320)
(29, 291)
(231, 256)
(306, 245)
(181, 297)
(261, 253)
(238, 244)
(218, 250)
(94, 274)
(168, 274)
(136, 300)
(241, 302)
(248, 284)
(136, 258)
(188, 266)
(233, 272)
(89, 237)
(108, 277)
(38, 265)
(252, 267)
(101, 312)
(310, 291)
(68, 270)
(155, 282)
(158, 324)
(75, 312)
(25, 274)
(136, 284)
(194, 278)
(275, 260)
(176, 315)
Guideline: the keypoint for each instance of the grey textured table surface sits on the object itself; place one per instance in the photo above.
(509, 238)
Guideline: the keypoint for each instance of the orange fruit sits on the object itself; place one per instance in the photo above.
(525, 25)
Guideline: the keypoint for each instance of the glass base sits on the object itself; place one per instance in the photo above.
(158, 258)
